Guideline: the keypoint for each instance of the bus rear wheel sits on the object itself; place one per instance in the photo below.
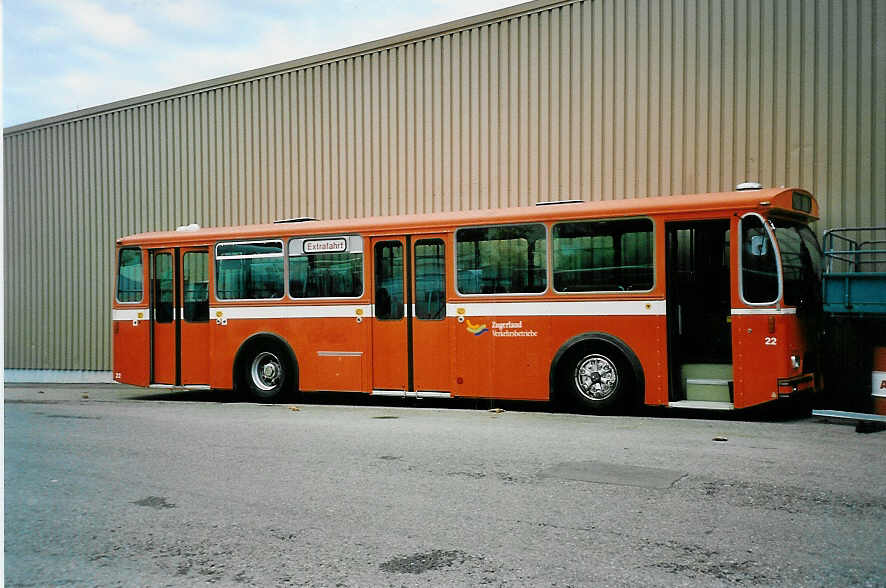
(266, 372)
(597, 379)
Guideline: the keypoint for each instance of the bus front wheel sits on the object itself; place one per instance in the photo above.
(598, 379)
(266, 372)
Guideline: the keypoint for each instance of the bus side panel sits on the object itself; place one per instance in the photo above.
(644, 335)
(510, 357)
(225, 339)
(331, 352)
(132, 354)
(763, 345)
(474, 365)
(521, 357)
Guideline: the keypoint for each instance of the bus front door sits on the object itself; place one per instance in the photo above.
(410, 334)
(180, 316)
(699, 321)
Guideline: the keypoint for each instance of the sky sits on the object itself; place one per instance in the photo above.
(64, 55)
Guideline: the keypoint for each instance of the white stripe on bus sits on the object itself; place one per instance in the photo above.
(301, 311)
(565, 308)
(540, 308)
(130, 314)
(764, 311)
(472, 309)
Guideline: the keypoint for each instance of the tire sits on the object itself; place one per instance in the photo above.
(266, 371)
(597, 379)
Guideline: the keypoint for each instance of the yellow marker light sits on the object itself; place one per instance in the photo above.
(460, 311)
(218, 313)
(141, 315)
(359, 312)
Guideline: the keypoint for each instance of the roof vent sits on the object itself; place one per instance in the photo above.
(748, 186)
(190, 227)
(558, 202)
(298, 219)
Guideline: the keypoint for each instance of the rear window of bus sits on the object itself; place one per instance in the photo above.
(130, 275)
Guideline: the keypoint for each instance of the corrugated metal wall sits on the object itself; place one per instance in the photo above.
(595, 99)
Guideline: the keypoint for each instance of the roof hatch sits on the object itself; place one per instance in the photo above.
(558, 202)
(298, 219)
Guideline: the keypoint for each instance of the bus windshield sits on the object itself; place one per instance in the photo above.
(800, 261)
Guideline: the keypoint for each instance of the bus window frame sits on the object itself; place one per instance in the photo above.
(609, 292)
(262, 255)
(348, 237)
(548, 260)
(141, 253)
(776, 251)
(419, 239)
(194, 251)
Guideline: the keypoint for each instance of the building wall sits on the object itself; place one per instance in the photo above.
(548, 100)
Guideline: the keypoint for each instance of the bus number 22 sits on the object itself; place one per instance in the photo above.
(770, 341)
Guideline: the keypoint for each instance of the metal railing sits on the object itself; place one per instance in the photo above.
(855, 250)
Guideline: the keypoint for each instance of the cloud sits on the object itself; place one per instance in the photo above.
(46, 34)
(89, 88)
(73, 54)
(101, 24)
(193, 14)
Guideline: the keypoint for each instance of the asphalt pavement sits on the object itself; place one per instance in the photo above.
(118, 486)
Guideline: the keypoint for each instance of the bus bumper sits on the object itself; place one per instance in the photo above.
(795, 386)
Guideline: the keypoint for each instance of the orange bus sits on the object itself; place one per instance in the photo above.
(699, 301)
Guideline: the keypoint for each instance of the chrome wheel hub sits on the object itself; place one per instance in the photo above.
(596, 377)
(266, 371)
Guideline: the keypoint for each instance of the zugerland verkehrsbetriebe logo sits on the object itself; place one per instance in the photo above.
(502, 329)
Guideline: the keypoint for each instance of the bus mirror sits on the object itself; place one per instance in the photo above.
(759, 245)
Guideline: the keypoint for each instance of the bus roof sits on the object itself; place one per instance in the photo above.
(770, 199)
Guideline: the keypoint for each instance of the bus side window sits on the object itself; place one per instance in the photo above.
(430, 279)
(389, 280)
(759, 272)
(325, 275)
(506, 259)
(195, 278)
(164, 306)
(603, 256)
(249, 270)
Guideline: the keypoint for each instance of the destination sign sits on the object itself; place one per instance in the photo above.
(325, 245)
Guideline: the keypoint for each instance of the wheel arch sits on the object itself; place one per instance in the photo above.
(256, 339)
(604, 339)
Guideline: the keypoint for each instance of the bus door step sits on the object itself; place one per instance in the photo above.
(707, 382)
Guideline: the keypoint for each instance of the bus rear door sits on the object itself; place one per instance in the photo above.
(180, 317)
